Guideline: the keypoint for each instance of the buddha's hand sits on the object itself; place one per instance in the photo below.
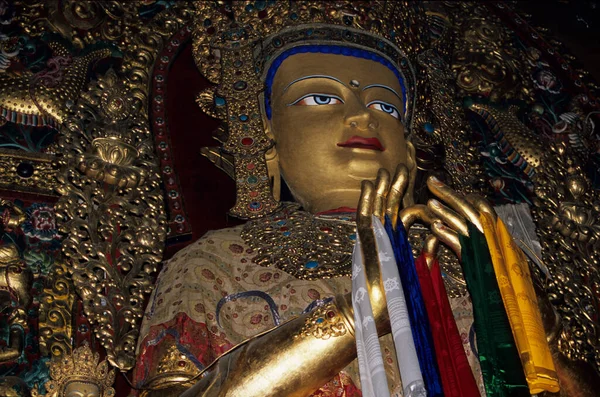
(380, 199)
(446, 215)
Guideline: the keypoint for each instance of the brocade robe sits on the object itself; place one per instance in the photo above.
(210, 297)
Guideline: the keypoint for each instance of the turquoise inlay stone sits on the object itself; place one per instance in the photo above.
(219, 101)
(428, 127)
(311, 265)
(320, 320)
(353, 237)
(252, 179)
(240, 85)
(287, 234)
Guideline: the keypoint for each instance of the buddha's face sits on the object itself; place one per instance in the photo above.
(336, 120)
(81, 389)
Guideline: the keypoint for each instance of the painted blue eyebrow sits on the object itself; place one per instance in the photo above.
(328, 49)
(315, 76)
(385, 87)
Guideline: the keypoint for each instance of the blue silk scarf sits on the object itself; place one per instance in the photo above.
(417, 313)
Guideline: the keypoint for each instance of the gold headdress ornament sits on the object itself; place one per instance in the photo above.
(81, 366)
(234, 44)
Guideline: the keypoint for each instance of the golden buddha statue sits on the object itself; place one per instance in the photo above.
(15, 297)
(237, 312)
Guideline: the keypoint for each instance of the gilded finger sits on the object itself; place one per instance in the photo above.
(368, 245)
(397, 189)
(365, 205)
(482, 205)
(430, 248)
(448, 216)
(381, 191)
(454, 200)
(447, 236)
(410, 215)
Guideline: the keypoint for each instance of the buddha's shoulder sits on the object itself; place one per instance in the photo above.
(215, 244)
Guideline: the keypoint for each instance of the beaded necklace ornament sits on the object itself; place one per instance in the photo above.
(237, 45)
(306, 246)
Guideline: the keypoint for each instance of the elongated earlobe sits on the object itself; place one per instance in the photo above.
(411, 163)
(272, 159)
(271, 156)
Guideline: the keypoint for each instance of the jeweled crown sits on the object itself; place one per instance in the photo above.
(235, 42)
(82, 365)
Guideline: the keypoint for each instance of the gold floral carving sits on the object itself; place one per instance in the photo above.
(112, 213)
(485, 63)
(82, 22)
(568, 207)
(111, 207)
(440, 108)
(56, 313)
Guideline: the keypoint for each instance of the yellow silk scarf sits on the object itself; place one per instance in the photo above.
(520, 303)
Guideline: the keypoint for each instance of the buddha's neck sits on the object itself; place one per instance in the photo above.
(340, 210)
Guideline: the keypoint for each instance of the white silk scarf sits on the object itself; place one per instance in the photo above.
(370, 361)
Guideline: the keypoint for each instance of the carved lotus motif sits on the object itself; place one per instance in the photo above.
(112, 161)
(115, 151)
(577, 222)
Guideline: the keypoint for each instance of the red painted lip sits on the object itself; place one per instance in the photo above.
(363, 143)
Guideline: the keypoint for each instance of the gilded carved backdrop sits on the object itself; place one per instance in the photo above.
(98, 174)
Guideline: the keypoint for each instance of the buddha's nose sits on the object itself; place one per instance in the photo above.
(361, 119)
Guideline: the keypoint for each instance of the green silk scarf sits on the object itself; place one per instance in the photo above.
(500, 363)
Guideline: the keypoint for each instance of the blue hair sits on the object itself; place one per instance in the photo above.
(327, 49)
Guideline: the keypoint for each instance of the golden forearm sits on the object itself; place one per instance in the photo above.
(294, 359)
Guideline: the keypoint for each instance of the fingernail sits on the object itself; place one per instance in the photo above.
(435, 180)
(435, 203)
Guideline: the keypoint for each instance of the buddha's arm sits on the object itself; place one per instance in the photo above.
(298, 357)
(294, 359)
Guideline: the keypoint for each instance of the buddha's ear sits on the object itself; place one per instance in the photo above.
(271, 156)
(267, 126)
(272, 159)
(411, 164)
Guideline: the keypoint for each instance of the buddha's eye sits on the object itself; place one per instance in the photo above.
(317, 99)
(385, 107)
